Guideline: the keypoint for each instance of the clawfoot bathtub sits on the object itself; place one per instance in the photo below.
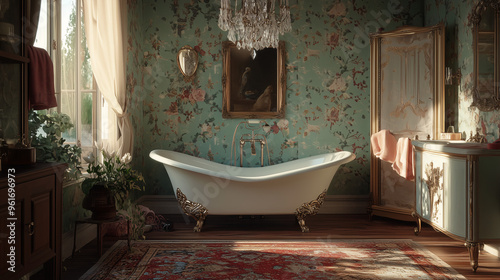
(296, 187)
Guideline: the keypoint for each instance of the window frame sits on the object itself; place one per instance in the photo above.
(55, 37)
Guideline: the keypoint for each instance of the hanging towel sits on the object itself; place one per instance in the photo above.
(40, 79)
(404, 161)
(384, 145)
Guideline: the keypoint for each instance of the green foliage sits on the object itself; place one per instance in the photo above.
(132, 212)
(50, 146)
(87, 109)
(70, 55)
(116, 174)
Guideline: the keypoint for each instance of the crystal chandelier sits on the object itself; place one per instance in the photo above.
(256, 25)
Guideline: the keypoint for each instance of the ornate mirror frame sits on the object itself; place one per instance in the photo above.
(485, 92)
(253, 82)
(407, 98)
(187, 60)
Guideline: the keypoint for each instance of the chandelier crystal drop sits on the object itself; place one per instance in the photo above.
(256, 25)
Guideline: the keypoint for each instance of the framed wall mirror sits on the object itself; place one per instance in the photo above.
(484, 20)
(187, 60)
(254, 82)
(407, 98)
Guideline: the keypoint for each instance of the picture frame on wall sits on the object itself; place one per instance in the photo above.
(254, 82)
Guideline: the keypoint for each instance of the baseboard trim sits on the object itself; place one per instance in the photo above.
(345, 204)
(333, 204)
(86, 233)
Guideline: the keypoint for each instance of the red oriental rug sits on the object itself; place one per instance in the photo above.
(335, 259)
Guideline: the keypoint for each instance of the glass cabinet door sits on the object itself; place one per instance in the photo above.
(10, 102)
(13, 65)
(10, 26)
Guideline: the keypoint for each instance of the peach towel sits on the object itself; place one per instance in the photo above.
(384, 145)
(404, 161)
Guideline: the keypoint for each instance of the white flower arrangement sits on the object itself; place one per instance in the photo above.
(115, 173)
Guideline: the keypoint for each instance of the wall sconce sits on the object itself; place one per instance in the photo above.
(452, 79)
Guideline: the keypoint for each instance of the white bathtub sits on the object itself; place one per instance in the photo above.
(295, 187)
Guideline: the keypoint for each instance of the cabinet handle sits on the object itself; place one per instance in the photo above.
(31, 228)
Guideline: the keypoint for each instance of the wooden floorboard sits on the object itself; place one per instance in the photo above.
(322, 227)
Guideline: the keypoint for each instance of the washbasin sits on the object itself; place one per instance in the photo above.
(458, 144)
(443, 142)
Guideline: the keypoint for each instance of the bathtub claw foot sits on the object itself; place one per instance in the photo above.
(199, 225)
(309, 208)
(192, 209)
(303, 226)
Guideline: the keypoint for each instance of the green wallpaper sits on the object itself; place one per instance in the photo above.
(328, 84)
(459, 55)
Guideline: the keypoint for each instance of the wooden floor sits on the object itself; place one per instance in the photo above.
(322, 227)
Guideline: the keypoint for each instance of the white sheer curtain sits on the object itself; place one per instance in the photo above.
(106, 31)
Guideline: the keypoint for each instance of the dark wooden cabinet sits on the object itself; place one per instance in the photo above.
(31, 207)
(30, 196)
(13, 71)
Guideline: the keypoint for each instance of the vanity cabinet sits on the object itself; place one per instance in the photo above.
(30, 235)
(458, 191)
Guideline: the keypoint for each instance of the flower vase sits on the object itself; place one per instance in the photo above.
(101, 201)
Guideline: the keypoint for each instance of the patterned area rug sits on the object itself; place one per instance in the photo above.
(335, 259)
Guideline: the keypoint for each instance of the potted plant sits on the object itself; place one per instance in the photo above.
(45, 135)
(109, 183)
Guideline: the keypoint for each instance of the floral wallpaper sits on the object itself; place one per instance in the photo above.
(328, 84)
(459, 55)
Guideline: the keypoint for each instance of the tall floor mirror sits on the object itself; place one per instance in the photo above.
(407, 98)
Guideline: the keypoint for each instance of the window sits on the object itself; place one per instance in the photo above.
(61, 32)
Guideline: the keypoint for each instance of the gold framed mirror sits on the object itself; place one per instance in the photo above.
(187, 60)
(407, 98)
(484, 19)
(253, 82)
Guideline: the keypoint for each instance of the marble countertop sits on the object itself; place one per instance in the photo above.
(456, 147)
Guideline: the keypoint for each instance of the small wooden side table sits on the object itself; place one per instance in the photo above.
(100, 233)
